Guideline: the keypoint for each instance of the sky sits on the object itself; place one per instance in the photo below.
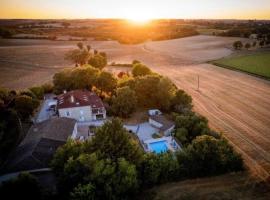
(135, 9)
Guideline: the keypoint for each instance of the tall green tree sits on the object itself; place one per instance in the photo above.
(207, 155)
(78, 56)
(25, 106)
(106, 82)
(181, 102)
(124, 103)
(98, 61)
(113, 141)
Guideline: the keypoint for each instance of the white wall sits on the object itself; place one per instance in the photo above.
(83, 113)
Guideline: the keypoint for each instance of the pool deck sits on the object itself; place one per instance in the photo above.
(171, 144)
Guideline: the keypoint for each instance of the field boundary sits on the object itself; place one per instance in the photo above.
(213, 62)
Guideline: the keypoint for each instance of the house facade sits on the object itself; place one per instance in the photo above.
(81, 105)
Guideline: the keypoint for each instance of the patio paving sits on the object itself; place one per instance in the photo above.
(146, 131)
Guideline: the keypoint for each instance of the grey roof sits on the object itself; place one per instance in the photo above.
(40, 144)
(166, 124)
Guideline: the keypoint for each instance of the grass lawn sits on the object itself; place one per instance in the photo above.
(258, 64)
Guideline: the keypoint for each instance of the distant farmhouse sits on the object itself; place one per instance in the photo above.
(40, 144)
(81, 105)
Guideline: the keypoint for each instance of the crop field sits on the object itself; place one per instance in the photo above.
(258, 63)
(235, 103)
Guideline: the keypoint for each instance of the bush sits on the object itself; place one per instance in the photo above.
(140, 70)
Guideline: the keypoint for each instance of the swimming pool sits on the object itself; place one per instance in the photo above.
(159, 147)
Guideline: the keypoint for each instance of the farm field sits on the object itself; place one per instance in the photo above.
(258, 63)
(232, 186)
(235, 103)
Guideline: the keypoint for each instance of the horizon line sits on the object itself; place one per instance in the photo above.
(112, 18)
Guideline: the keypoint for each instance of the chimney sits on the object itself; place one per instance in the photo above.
(72, 99)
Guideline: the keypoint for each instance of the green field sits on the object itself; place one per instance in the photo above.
(258, 64)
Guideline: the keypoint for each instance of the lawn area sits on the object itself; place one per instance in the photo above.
(258, 64)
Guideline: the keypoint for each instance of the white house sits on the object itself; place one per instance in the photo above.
(165, 126)
(81, 105)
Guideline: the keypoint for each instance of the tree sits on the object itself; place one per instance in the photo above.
(135, 62)
(6, 33)
(84, 77)
(195, 124)
(139, 69)
(158, 168)
(62, 81)
(25, 186)
(80, 45)
(72, 149)
(154, 91)
(106, 82)
(182, 135)
(10, 131)
(164, 93)
(25, 106)
(109, 180)
(88, 47)
(209, 156)
(98, 61)
(79, 78)
(78, 56)
(181, 102)
(237, 45)
(146, 88)
(83, 192)
(113, 141)
(247, 46)
(124, 103)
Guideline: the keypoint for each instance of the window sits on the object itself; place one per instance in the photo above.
(81, 111)
(67, 113)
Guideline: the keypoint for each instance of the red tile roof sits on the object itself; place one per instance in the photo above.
(79, 98)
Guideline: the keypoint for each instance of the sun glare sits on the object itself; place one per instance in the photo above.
(138, 20)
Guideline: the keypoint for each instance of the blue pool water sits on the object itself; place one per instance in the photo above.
(159, 147)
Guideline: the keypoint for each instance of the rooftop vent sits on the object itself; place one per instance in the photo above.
(72, 99)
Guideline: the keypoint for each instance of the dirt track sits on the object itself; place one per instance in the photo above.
(235, 103)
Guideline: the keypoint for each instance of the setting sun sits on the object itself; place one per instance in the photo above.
(139, 20)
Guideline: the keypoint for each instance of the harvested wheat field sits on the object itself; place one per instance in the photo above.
(235, 103)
